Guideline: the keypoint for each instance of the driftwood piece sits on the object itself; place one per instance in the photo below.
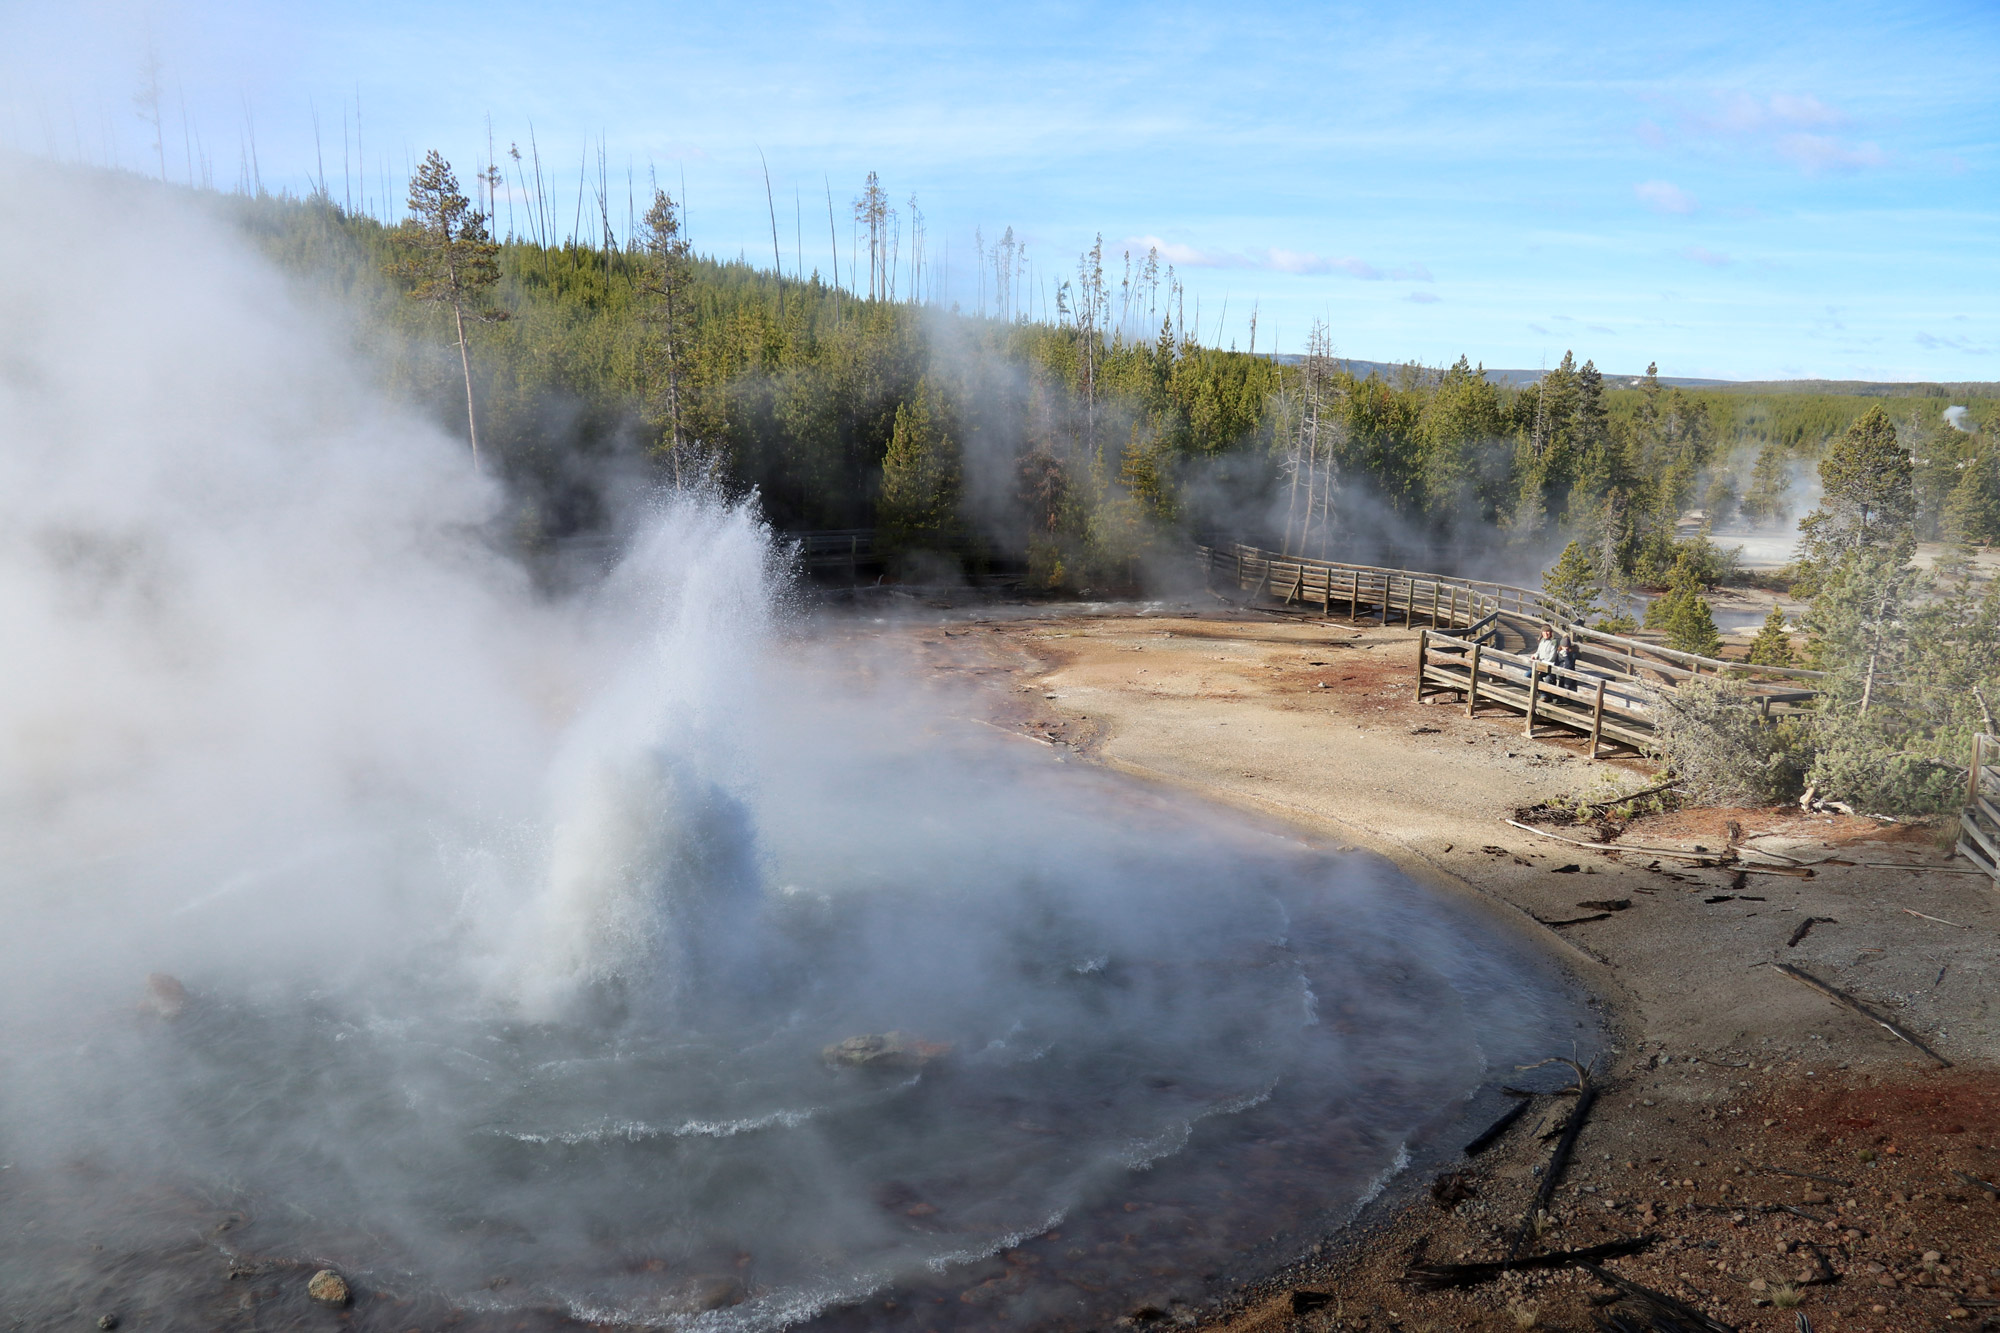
(1438, 1277)
(1631, 796)
(1661, 1311)
(1807, 925)
(1808, 1175)
(1698, 858)
(1492, 1132)
(1841, 997)
(1976, 1182)
(1586, 1093)
(1572, 920)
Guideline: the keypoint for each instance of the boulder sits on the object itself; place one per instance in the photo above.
(328, 1288)
(884, 1050)
(165, 996)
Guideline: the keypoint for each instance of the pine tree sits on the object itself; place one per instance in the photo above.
(1573, 579)
(1691, 628)
(1772, 646)
(920, 474)
(1683, 613)
(666, 306)
(1868, 498)
(1972, 510)
(1764, 502)
(450, 260)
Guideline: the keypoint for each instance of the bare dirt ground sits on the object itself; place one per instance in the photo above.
(1784, 1154)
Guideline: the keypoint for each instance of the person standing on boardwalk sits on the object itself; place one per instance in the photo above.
(1566, 658)
(1545, 651)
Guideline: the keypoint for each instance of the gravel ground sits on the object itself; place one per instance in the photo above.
(1783, 1154)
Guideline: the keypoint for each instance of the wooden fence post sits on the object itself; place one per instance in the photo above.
(1435, 586)
(1597, 718)
(1383, 610)
(1326, 593)
(1534, 689)
(1423, 647)
(1353, 596)
(1472, 681)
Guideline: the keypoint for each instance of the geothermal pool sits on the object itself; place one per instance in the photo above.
(1140, 1051)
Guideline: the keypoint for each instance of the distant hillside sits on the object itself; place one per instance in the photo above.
(1514, 379)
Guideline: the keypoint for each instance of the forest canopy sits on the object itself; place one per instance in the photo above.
(1080, 442)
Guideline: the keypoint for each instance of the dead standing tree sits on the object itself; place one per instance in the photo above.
(1311, 460)
(872, 211)
(451, 260)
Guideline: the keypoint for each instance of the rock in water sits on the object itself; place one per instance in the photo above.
(165, 996)
(884, 1050)
(329, 1288)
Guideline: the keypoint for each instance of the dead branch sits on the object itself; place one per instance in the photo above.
(1492, 1133)
(1841, 997)
(1586, 1093)
(1573, 920)
(1807, 1175)
(1438, 1277)
(1657, 1304)
(1699, 858)
(1940, 920)
(1807, 925)
(1988, 1186)
(1632, 796)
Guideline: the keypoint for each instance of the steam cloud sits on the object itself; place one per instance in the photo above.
(512, 926)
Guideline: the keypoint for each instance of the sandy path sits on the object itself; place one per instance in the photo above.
(1316, 722)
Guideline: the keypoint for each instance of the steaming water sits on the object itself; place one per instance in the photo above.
(1170, 1038)
(512, 928)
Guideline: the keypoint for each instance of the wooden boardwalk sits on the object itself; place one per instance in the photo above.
(1979, 824)
(1477, 637)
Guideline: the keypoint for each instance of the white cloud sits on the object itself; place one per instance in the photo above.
(1795, 127)
(1665, 197)
(1276, 260)
(1823, 152)
(1701, 254)
(1932, 343)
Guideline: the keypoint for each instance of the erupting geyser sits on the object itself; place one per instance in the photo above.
(498, 943)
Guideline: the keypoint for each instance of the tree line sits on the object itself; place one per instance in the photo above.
(1070, 442)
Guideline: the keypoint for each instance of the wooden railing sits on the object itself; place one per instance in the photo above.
(1979, 825)
(1465, 647)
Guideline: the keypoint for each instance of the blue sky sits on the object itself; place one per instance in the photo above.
(1733, 190)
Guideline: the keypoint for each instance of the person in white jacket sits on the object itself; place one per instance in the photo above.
(1545, 651)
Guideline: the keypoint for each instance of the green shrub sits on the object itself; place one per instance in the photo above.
(1711, 734)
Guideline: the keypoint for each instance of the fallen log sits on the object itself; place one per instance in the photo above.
(1661, 1310)
(1698, 858)
(1841, 997)
(1586, 1094)
(1492, 1132)
(1439, 1277)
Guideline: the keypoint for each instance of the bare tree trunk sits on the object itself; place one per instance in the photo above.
(465, 364)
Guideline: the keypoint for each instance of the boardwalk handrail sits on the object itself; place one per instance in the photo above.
(1979, 823)
(1610, 692)
(1527, 603)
